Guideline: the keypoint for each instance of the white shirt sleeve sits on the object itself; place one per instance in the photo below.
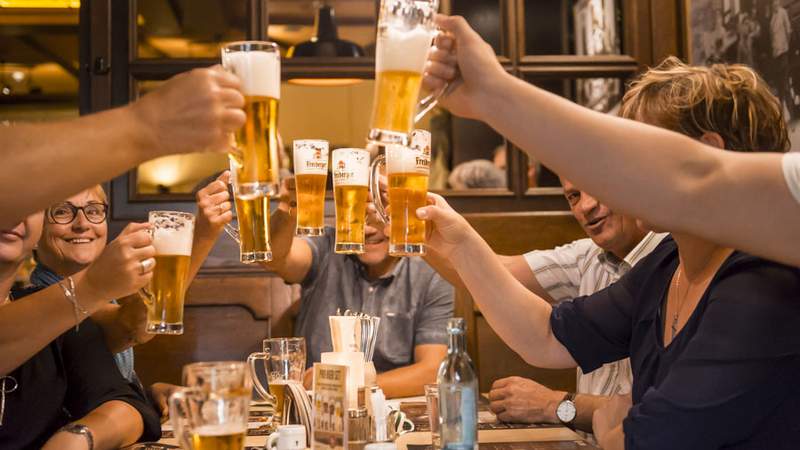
(791, 173)
(558, 271)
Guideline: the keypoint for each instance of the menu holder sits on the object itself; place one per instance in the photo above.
(330, 403)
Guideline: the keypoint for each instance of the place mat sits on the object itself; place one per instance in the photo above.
(550, 445)
(417, 412)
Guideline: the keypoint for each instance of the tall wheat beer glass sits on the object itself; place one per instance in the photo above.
(258, 66)
(350, 189)
(211, 412)
(407, 170)
(311, 174)
(252, 217)
(405, 34)
(172, 237)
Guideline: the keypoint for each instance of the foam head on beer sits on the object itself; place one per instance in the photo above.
(173, 237)
(258, 71)
(403, 51)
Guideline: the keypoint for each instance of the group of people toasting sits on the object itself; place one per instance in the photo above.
(682, 340)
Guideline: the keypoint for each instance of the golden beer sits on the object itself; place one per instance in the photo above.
(405, 35)
(277, 388)
(168, 287)
(310, 204)
(256, 155)
(350, 191)
(351, 212)
(407, 193)
(396, 94)
(209, 438)
(311, 174)
(257, 64)
(173, 232)
(253, 218)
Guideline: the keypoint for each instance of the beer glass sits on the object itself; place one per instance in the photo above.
(310, 175)
(284, 361)
(407, 170)
(252, 216)
(172, 237)
(405, 34)
(350, 186)
(255, 156)
(211, 412)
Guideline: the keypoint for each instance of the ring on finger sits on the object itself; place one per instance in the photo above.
(147, 265)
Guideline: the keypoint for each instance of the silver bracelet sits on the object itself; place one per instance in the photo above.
(68, 286)
(82, 430)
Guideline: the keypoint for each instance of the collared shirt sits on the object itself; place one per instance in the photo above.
(583, 268)
(413, 302)
(781, 29)
(791, 173)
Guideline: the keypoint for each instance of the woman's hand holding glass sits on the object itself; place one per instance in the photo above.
(124, 266)
(214, 207)
(461, 57)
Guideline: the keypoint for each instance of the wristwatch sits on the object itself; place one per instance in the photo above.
(76, 428)
(566, 411)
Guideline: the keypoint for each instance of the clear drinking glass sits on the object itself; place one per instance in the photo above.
(407, 169)
(405, 34)
(173, 232)
(211, 412)
(350, 189)
(432, 400)
(252, 218)
(310, 176)
(258, 66)
(284, 361)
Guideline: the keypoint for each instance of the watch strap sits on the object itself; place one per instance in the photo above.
(76, 428)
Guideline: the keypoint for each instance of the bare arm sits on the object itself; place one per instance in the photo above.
(291, 256)
(195, 111)
(114, 424)
(696, 188)
(520, 400)
(520, 317)
(117, 272)
(408, 381)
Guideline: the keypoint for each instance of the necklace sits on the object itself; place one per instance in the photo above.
(674, 326)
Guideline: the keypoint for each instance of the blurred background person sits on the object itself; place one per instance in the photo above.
(478, 173)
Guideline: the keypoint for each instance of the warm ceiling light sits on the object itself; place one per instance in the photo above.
(326, 82)
(40, 3)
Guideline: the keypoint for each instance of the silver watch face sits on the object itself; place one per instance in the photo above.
(566, 411)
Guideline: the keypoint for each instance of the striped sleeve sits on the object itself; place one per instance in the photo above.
(560, 270)
(791, 173)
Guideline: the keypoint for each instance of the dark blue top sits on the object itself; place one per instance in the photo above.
(731, 376)
(65, 381)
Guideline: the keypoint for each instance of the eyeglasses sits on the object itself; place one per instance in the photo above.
(66, 212)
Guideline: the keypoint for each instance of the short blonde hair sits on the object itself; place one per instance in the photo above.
(731, 100)
(99, 192)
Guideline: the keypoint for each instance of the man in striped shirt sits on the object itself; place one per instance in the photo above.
(615, 244)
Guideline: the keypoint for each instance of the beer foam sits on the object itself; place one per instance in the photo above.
(405, 51)
(310, 157)
(400, 159)
(224, 429)
(259, 72)
(350, 167)
(174, 241)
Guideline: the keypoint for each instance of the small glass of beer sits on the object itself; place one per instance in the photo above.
(172, 237)
(311, 174)
(258, 66)
(252, 217)
(407, 170)
(350, 189)
(284, 361)
(405, 34)
(212, 411)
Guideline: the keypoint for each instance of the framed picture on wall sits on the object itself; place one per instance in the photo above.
(763, 34)
(596, 34)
